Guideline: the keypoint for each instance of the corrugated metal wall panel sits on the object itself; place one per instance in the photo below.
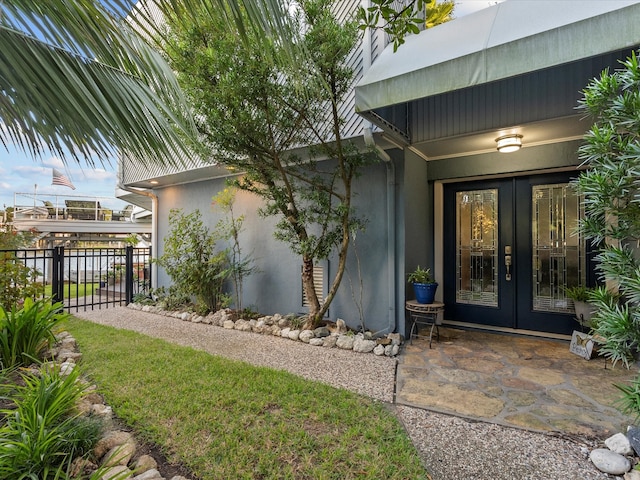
(538, 96)
(132, 171)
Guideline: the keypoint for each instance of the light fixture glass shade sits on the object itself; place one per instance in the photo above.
(509, 143)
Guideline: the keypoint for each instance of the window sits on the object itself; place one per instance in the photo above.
(318, 283)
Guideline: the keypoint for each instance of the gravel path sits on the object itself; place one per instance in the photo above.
(451, 447)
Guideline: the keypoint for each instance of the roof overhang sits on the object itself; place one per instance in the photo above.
(137, 199)
(509, 39)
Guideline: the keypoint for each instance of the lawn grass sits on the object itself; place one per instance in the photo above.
(73, 290)
(225, 419)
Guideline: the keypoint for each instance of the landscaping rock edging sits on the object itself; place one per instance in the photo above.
(604, 458)
(619, 455)
(280, 326)
(116, 451)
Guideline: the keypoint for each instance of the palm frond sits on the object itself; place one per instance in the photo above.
(53, 100)
(77, 81)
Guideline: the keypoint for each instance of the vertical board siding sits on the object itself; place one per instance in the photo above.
(537, 96)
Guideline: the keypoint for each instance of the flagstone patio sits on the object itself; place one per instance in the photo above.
(518, 381)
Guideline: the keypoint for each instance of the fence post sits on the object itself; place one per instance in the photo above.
(128, 275)
(57, 277)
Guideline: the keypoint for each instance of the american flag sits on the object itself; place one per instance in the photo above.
(60, 178)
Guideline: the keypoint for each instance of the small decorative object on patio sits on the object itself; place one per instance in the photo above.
(424, 285)
(581, 344)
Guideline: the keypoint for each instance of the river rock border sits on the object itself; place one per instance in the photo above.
(331, 336)
(117, 452)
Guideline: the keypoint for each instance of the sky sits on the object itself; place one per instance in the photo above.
(20, 173)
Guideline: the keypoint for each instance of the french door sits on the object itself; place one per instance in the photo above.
(511, 248)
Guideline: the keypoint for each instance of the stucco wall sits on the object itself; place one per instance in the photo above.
(277, 287)
(418, 202)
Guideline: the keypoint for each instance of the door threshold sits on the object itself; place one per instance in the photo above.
(514, 331)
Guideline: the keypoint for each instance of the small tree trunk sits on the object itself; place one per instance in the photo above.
(337, 279)
(310, 291)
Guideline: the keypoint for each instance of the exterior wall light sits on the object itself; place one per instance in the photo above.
(509, 143)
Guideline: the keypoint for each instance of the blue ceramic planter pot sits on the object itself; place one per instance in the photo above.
(425, 292)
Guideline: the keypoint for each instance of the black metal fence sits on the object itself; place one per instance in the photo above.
(87, 278)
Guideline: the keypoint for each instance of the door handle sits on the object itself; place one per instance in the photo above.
(507, 262)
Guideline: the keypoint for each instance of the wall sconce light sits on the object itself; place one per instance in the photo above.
(509, 143)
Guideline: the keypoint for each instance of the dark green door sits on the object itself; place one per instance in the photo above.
(510, 250)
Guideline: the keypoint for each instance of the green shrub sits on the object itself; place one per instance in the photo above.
(612, 211)
(82, 434)
(43, 434)
(297, 322)
(27, 331)
(170, 298)
(191, 260)
(18, 281)
(250, 313)
(143, 299)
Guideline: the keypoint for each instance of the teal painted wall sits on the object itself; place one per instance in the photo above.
(276, 288)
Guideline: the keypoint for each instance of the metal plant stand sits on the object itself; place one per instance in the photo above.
(424, 314)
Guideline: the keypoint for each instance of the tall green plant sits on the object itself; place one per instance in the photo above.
(611, 188)
(255, 112)
(230, 228)
(191, 260)
(26, 331)
(42, 433)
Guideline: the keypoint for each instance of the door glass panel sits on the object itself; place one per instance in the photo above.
(558, 252)
(477, 247)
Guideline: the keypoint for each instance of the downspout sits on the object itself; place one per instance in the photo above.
(154, 227)
(391, 228)
(367, 42)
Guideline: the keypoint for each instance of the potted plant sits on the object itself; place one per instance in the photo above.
(583, 309)
(115, 274)
(424, 285)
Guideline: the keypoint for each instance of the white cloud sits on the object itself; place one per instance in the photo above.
(54, 162)
(20, 173)
(29, 169)
(99, 174)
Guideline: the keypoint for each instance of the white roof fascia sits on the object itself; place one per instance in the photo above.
(508, 39)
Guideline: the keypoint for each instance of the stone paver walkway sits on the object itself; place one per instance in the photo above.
(524, 382)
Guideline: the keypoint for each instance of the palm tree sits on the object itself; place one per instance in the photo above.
(76, 80)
